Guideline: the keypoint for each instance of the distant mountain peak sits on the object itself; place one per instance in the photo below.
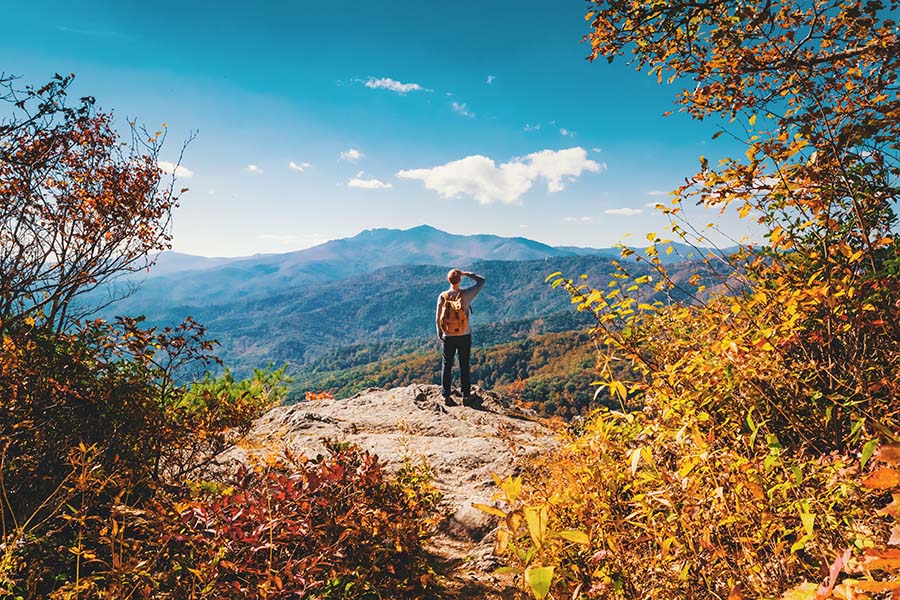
(425, 227)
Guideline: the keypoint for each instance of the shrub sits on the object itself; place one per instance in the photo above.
(669, 509)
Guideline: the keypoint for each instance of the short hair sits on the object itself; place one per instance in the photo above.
(454, 276)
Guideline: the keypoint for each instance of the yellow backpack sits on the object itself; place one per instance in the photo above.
(454, 318)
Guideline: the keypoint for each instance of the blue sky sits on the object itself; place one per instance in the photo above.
(316, 120)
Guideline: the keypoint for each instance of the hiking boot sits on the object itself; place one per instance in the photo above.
(448, 401)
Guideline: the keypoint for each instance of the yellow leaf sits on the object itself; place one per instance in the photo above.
(874, 586)
(809, 521)
(536, 517)
(502, 542)
(491, 510)
(635, 460)
(804, 591)
(513, 520)
(572, 535)
(511, 487)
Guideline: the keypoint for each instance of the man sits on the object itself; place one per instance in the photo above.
(455, 333)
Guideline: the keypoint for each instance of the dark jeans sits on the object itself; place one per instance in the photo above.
(452, 345)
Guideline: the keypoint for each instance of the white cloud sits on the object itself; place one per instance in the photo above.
(480, 177)
(556, 164)
(368, 184)
(490, 79)
(565, 132)
(523, 226)
(253, 169)
(529, 127)
(173, 169)
(211, 191)
(299, 167)
(597, 150)
(624, 212)
(352, 155)
(657, 193)
(653, 205)
(460, 108)
(578, 219)
(386, 83)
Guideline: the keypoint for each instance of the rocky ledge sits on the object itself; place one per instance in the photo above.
(463, 445)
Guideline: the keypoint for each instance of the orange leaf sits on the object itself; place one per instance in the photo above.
(875, 586)
(882, 479)
(882, 560)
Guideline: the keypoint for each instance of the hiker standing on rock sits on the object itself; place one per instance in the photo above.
(453, 309)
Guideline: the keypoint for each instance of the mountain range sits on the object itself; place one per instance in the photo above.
(377, 288)
(180, 277)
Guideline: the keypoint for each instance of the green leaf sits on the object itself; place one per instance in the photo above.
(867, 451)
(539, 579)
(797, 472)
(856, 429)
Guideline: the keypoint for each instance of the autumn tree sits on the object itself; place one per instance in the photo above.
(764, 395)
(810, 89)
(77, 207)
(110, 431)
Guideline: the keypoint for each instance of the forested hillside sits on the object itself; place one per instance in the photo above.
(392, 307)
(550, 373)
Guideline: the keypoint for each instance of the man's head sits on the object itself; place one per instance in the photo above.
(454, 276)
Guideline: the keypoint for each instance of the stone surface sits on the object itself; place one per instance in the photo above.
(463, 445)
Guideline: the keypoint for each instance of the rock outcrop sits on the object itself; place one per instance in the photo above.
(463, 445)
